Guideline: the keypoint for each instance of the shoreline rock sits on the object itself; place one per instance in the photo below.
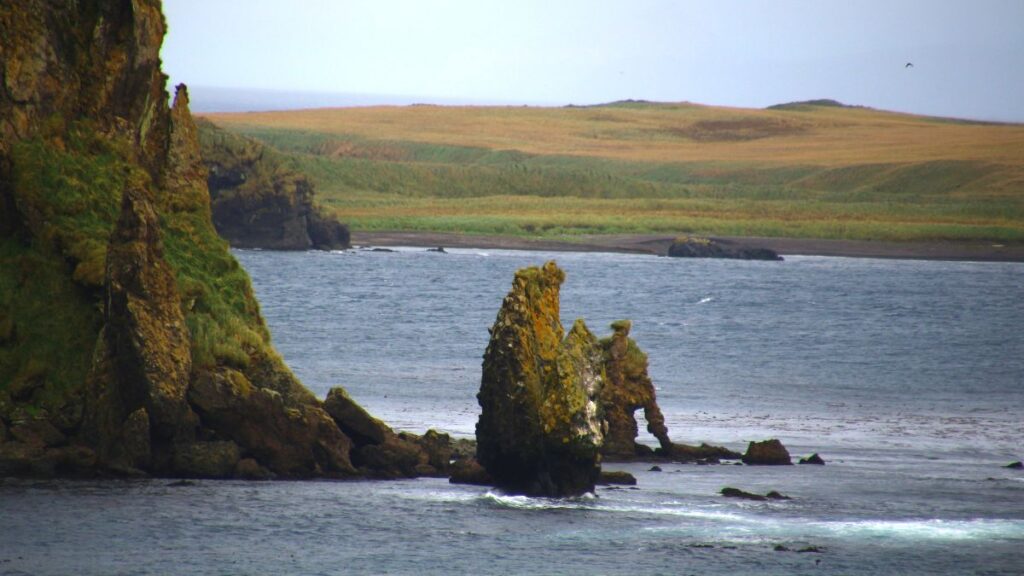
(730, 492)
(696, 247)
(259, 201)
(813, 459)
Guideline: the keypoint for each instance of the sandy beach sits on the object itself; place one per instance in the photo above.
(658, 244)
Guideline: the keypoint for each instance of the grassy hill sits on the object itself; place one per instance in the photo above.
(815, 170)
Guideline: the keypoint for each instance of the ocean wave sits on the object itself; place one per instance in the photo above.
(980, 529)
(592, 503)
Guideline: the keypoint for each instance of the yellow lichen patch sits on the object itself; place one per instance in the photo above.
(539, 392)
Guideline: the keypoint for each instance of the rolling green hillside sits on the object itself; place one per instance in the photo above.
(817, 170)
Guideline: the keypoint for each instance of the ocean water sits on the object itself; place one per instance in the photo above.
(906, 376)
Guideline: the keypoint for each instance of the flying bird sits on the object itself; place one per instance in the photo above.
(909, 65)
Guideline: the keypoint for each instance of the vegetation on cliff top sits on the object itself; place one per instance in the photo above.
(812, 170)
(69, 188)
(128, 332)
(260, 198)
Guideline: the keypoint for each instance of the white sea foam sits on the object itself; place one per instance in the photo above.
(986, 529)
(590, 502)
(705, 300)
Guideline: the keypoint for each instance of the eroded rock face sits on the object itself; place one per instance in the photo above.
(292, 439)
(541, 424)
(259, 201)
(130, 339)
(146, 340)
(627, 390)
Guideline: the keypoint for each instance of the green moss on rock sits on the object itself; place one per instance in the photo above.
(541, 423)
(260, 199)
(125, 323)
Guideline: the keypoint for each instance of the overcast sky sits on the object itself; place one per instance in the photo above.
(968, 56)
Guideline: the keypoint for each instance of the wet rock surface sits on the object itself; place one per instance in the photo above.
(766, 453)
(730, 492)
(541, 425)
(259, 200)
(695, 247)
(813, 459)
(628, 388)
(162, 364)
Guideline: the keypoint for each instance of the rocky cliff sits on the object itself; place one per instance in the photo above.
(628, 389)
(541, 424)
(130, 340)
(259, 200)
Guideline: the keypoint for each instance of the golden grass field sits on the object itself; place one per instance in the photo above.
(803, 171)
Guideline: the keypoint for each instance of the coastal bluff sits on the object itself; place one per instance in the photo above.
(259, 200)
(131, 342)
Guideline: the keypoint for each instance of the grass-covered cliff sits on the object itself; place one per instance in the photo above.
(130, 339)
(811, 170)
(260, 199)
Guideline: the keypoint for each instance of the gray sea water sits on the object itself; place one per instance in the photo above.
(906, 376)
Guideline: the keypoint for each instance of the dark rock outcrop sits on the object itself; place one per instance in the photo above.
(695, 247)
(259, 200)
(729, 492)
(813, 459)
(468, 471)
(768, 452)
(1018, 465)
(381, 453)
(616, 477)
(541, 424)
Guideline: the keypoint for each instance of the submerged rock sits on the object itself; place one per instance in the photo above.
(730, 492)
(813, 459)
(768, 452)
(695, 247)
(541, 424)
(1018, 465)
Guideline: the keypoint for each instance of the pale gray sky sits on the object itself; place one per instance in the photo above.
(968, 56)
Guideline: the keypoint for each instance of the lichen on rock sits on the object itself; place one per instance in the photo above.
(629, 388)
(130, 338)
(260, 200)
(541, 424)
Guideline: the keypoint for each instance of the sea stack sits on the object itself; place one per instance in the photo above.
(541, 425)
(627, 390)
